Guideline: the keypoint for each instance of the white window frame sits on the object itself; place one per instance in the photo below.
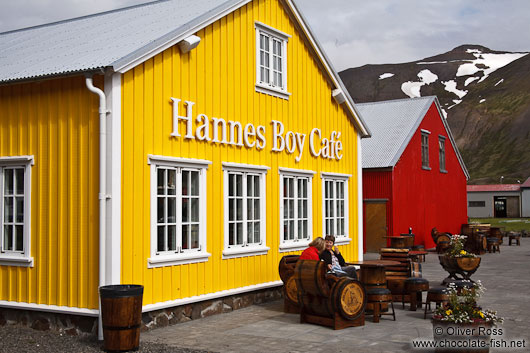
(425, 150)
(179, 256)
(442, 158)
(12, 257)
(245, 249)
(337, 177)
(268, 87)
(296, 244)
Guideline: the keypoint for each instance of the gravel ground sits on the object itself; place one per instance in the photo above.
(22, 339)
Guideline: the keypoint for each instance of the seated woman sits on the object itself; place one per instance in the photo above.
(314, 250)
(334, 260)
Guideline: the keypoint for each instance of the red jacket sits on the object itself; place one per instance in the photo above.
(311, 253)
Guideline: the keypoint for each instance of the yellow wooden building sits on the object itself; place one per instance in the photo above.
(182, 145)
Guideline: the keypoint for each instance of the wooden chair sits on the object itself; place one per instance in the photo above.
(290, 290)
(326, 299)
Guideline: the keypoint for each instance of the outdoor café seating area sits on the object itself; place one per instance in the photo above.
(396, 277)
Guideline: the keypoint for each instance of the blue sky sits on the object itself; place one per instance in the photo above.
(352, 32)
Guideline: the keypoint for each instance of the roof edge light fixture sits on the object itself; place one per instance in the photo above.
(338, 95)
(188, 44)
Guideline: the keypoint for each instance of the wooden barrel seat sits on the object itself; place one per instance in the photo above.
(415, 286)
(326, 299)
(439, 295)
(290, 291)
(377, 296)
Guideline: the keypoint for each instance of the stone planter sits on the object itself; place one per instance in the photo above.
(461, 337)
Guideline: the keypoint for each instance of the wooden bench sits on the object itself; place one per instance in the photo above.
(337, 302)
(290, 290)
(515, 237)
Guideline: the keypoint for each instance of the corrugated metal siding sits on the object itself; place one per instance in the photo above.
(56, 122)
(424, 199)
(219, 76)
(378, 185)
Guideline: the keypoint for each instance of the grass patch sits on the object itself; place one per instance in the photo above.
(508, 224)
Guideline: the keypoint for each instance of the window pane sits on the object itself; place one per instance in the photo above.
(172, 238)
(19, 209)
(257, 237)
(19, 181)
(305, 228)
(300, 230)
(195, 210)
(304, 207)
(185, 182)
(194, 236)
(249, 185)
(8, 237)
(250, 235)
(231, 233)
(161, 238)
(291, 208)
(171, 182)
(185, 210)
(185, 233)
(239, 209)
(160, 182)
(8, 181)
(256, 209)
(291, 187)
(171, 210)
(239, 228)
(194, 183)
(8, 209)
(256, 186)
(161, 211)
(239, 185)
(231, 184)
(250, 213)
(285, 230)
(291, 229)
(285, 209)
(231, 209)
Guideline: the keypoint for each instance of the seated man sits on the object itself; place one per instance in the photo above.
(334, 260)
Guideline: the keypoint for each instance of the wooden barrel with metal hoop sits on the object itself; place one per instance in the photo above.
(348, 298)
(311, 277)
(286, 266)
(291, 290)
(443, 242)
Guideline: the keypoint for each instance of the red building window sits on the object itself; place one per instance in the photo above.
(425, 149)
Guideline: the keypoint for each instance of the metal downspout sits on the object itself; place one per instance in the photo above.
(102, 187)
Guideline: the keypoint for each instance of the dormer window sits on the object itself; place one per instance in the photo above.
(271, 61)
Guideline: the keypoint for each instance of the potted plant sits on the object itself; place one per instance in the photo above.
(460, 263)
(461, 324)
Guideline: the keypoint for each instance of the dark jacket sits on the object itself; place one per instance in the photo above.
(326, 257)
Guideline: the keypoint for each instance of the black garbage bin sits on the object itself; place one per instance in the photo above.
(121, 316)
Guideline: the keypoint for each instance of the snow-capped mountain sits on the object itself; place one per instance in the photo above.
(484, 94)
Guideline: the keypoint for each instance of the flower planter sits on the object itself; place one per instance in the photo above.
(462, 337)
(459, 267)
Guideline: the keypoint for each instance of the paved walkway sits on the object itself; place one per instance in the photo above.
(265, 328)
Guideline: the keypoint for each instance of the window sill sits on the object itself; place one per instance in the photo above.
(16, 261)
(294, 246)
(181, 259)
(342, 241)
(425, 168)
(272, 91)
(242, 252)
(443, 171)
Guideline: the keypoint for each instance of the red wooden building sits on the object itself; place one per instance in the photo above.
(413, 174)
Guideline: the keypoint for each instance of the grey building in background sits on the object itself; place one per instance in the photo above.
(499, 201)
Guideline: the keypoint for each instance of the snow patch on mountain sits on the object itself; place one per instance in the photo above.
(486, 62)
(482, 100)
(385, 75)
(450, 86)
(469, 80)
(412, 88)
(500, 81)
